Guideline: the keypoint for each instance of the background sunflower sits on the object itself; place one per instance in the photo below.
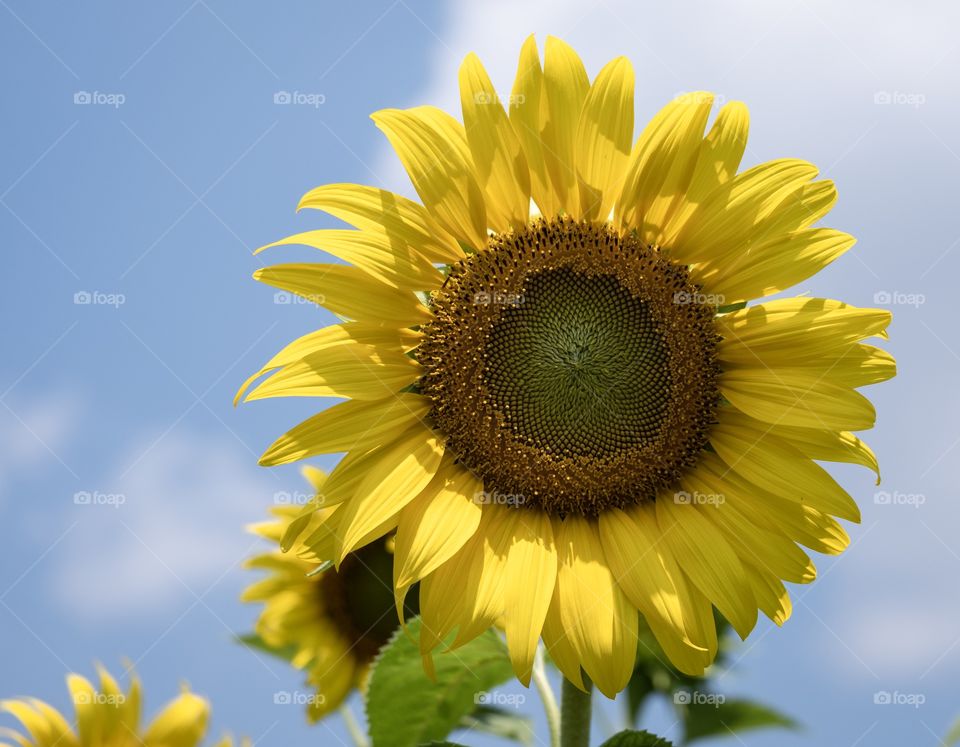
(109, 716)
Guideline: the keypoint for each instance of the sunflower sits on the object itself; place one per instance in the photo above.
(108, 717)
(556, 391)
(332, 623)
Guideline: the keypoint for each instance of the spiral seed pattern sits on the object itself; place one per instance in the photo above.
(572, 367)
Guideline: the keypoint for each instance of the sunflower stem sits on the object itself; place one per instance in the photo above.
(547, 696)
(575, 714)
(356, 733)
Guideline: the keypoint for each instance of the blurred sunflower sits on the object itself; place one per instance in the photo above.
(109, 718)
(556, 393)
(333, 622)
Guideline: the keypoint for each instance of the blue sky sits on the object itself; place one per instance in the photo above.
(151, 198)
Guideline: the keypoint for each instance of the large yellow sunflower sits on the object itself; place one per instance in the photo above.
(556, 393)
(109, 717)
(332, 622)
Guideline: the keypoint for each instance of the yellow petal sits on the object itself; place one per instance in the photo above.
(603, 139)
(645, 569)
(689, 659)
(395, 264)
(326, 337)
(783, 397)
(708, 560)
(346, 370)
(792, 328)
(559, 644)
(435, 525)
(483, 603)
(775, 465)
(526, 100)
(369, 208)
(831, 446)
(442, 594)
(802, 207)
(440, 173)
(43, 723)
(498, 158)
(734, 214)
(182, 723)
(354, 424)
(594, 612)
(346, 291)
(400, 473)
(529, 578)
(83, 696)
(770, 550)
(333, 677)
(718, 158)
(466, 591)
(662, 164)
(774, 265)
(565, 86)
(797, 521)
(771, 595)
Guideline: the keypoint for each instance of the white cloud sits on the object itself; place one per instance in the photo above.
(812, 58)
(178, 528)
(32, 433)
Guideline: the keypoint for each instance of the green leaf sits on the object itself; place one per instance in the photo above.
(499, 723)
(252, 640)
(441, 744)
(732, 307)
(731, 716)
(405, 708)
(631, 738)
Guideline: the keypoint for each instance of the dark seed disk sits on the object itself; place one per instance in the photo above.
(571, 367)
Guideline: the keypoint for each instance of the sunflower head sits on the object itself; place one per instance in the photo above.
(566, 391)
(110, 717)
(334, 621)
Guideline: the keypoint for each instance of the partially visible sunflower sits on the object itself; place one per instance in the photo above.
(333, 621)
(109, 717)
(556, 393)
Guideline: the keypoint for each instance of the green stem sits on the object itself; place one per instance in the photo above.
(575, 714)
(353, 728)
(547, 697)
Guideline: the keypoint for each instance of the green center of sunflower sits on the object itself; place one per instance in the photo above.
(359, 599)
(577, 365)
(571, 368)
